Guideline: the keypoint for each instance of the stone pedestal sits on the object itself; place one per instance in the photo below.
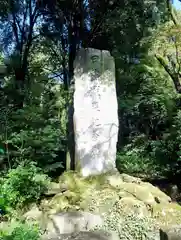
(95, 111)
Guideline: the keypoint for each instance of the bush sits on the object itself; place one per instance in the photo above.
(134, 159)
(32, 136)
(19, 231)
(23, 185)
(135, 164)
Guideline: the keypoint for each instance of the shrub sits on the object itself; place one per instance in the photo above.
(19, 231)
(134, 159)
(23, 185)
(31, 136)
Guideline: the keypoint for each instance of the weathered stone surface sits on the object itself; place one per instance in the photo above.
(133, 208)
(173, 233)
(168, 214)
(139, 192)
(70, 222)
(173, 192)
(53, 188)
(99, 193)
(33, 214)
(159, 196)
(114, 180)
(92, 235)
(129, 179)
(95, 111)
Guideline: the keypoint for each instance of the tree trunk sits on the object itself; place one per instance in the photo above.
(73, 30)
(20, 88)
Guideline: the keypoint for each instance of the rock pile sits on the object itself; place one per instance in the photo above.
(118, 204)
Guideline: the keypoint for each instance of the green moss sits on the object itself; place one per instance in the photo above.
(91, 193)
(101, 194)
(132, 205)
(139, 192)
(73, 181)
(102, 200)
(98, 179)
(167, 214)
(58, 203)
(156, 192)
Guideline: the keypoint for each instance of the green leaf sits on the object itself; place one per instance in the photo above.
(2, 151)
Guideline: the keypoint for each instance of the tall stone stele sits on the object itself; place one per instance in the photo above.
(95, 111)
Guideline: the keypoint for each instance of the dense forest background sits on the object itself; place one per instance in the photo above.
(39, 40)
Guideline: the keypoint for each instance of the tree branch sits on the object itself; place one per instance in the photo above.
(172, 14)
(174, 76)
(15, 31)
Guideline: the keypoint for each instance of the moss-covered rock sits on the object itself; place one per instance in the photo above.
(139, 192)
(136, 228)
(53, 189)
(132, 206)
(100, 200)
(34, 213)
(129, 179)
(173, 233)
(99, 193)
(57, 204)
(119, 199)
(167, 214)
(159, 196)
(130, 226)
(84, 235)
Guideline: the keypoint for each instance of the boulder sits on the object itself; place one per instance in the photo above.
(91, 235)
(133, 206)
(129, 179)
(160, 197)
(109, 198)
(70, 222)
(53, 189)
(168, 214)
(33, 214)
(114, 180)
(139, 192)
(171, 233)
(101, 200)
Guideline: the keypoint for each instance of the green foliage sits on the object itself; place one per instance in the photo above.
(134, 163)
(149, 119)
(22, 185)
(19, 231)
(31, 136)
(33, 106)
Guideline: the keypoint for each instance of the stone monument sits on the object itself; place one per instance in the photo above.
(95, 111)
